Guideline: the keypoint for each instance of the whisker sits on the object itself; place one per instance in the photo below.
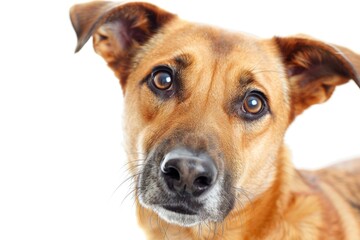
(199, 230)
(215, 230)
(131, 177)
(255, 69)
(266, 71)
(127, 195)
(131, 163)
(243, 193)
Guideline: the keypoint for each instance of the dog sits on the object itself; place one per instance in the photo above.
(206, 111)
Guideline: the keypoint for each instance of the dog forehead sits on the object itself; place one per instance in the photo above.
(215, 51)
(217, 40)
(204, 44)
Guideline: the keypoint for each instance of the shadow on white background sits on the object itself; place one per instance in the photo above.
(61, 155)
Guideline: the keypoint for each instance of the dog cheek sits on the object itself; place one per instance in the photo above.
(150, 108)
(265, 177)
(136, 125)
(259, 166)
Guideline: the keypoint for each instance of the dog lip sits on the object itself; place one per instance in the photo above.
(180, 209)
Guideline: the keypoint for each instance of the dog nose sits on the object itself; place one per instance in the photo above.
(187, 173)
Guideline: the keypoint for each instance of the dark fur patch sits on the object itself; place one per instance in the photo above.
(356, 206)
(222, 45)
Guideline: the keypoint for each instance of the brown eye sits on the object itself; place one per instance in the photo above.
(253, 104)
(162, 80)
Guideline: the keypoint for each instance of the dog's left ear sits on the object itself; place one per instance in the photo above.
(119, 30)
(315, 68)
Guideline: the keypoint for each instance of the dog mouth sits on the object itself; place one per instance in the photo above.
(179, 214)
(180, 209)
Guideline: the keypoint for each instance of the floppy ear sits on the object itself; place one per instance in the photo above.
(315, 68)
(118, 30)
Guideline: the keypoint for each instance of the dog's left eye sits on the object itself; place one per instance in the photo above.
(254, 106)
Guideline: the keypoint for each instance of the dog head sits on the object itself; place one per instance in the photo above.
(206, 109)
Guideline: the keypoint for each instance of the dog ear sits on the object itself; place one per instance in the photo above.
(315, 68)
(118, 30)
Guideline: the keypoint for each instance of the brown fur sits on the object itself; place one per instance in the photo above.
(273, 200)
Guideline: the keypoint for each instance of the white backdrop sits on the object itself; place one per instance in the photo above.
(61, 153)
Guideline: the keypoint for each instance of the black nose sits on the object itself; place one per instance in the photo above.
(187, 173)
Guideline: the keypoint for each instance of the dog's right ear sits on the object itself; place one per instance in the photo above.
(118, 29)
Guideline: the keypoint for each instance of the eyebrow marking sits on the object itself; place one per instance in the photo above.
(183, 60)
(246, 79)
(177, 63)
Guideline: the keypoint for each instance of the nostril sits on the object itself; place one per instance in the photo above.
(172, 173)
(202, 182)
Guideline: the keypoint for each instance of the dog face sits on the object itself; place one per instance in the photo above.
(218, 104)
(206, 109)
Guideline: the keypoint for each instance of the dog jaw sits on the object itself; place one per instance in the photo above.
(183, 220)
(209, 212)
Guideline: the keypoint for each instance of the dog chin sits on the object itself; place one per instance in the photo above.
(180, 219)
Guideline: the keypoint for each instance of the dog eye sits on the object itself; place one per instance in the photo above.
(162, 79)
(254, 105)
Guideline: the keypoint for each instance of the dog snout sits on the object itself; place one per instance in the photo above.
(187, 173)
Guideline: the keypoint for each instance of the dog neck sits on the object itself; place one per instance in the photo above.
(279, 211)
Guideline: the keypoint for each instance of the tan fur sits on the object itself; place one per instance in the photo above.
(274, 201)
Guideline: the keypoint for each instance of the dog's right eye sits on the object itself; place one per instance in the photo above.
(161, 81)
